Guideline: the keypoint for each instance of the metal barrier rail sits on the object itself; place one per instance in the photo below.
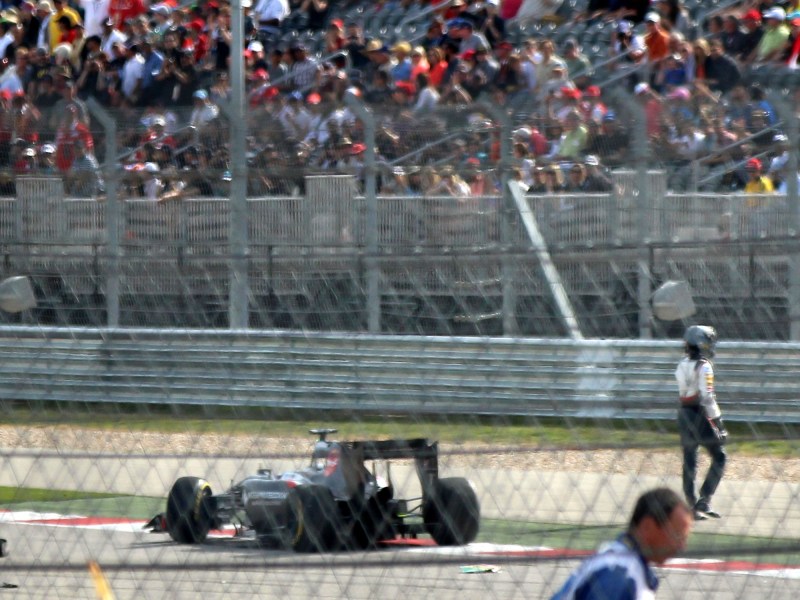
(403, 221)
(618, 379)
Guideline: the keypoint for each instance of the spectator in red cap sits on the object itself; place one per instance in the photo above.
(334, 36)
(753, 32)
(757, 182)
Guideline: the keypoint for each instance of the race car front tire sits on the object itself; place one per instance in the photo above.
(313, 520)
(452, 512)
(188, 516)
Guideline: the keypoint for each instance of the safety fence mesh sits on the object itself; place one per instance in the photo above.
(412, 299)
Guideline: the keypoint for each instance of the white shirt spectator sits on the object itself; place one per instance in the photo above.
(10, 81)
(295, 120)
(267, 10)
(428, 100)
(6, 41)
(535, 10)
(43, 40)
(131, 73)
(107, 42)
(95, 12)
(203, 112)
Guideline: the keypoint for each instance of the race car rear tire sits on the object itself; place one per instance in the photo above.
(188, 516)
(313, 521)
(452, 512)
(371, 523)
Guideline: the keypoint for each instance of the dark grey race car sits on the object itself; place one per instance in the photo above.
(335, 503)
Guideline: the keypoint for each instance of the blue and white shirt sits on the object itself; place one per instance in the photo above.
(617, 572)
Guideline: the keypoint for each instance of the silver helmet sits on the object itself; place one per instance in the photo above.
(703, 337)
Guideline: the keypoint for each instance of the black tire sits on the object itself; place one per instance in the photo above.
(188, 516)
(313, 521)
(452, 513)
(371, 523)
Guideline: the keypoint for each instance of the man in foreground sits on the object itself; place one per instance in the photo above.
(621, 570)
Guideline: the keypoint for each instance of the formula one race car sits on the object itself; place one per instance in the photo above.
(334, 503)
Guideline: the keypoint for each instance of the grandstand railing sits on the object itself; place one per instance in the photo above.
(573, 220)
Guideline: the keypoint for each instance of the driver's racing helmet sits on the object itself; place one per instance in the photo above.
(319, 456)
(702, 337)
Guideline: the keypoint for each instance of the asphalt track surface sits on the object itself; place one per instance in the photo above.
(49, 561)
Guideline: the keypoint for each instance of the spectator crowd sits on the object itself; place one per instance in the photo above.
(162, 70)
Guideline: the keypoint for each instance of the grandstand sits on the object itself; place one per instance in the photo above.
(446, 243)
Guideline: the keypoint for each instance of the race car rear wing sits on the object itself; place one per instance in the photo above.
(417, 448)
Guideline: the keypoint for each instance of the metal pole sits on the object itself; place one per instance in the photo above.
(508, 209)
(113, 212)
(371, 198)
(785, 112)
(645, 204)
(238, 311)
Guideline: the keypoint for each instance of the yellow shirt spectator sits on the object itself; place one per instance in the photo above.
(62, 9)
(756, 184)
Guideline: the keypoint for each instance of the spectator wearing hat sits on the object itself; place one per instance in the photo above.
(656, 40)
(463, 32)
(757, 182)
(401, 70)
(593, 107)
(335, 39)
(776, 33)
(204, 110)
(380, 59)
(753, 31)
(162, 18)
(510, 77)
(612, 143)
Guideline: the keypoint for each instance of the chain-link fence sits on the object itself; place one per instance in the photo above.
(452, 276)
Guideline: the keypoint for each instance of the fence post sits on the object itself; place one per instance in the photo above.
(643, 210)
(786, 114)
(238, 295)
(371, 199)
(507, 210)
(113, 211)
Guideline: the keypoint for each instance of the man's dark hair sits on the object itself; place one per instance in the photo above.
(658, 504)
